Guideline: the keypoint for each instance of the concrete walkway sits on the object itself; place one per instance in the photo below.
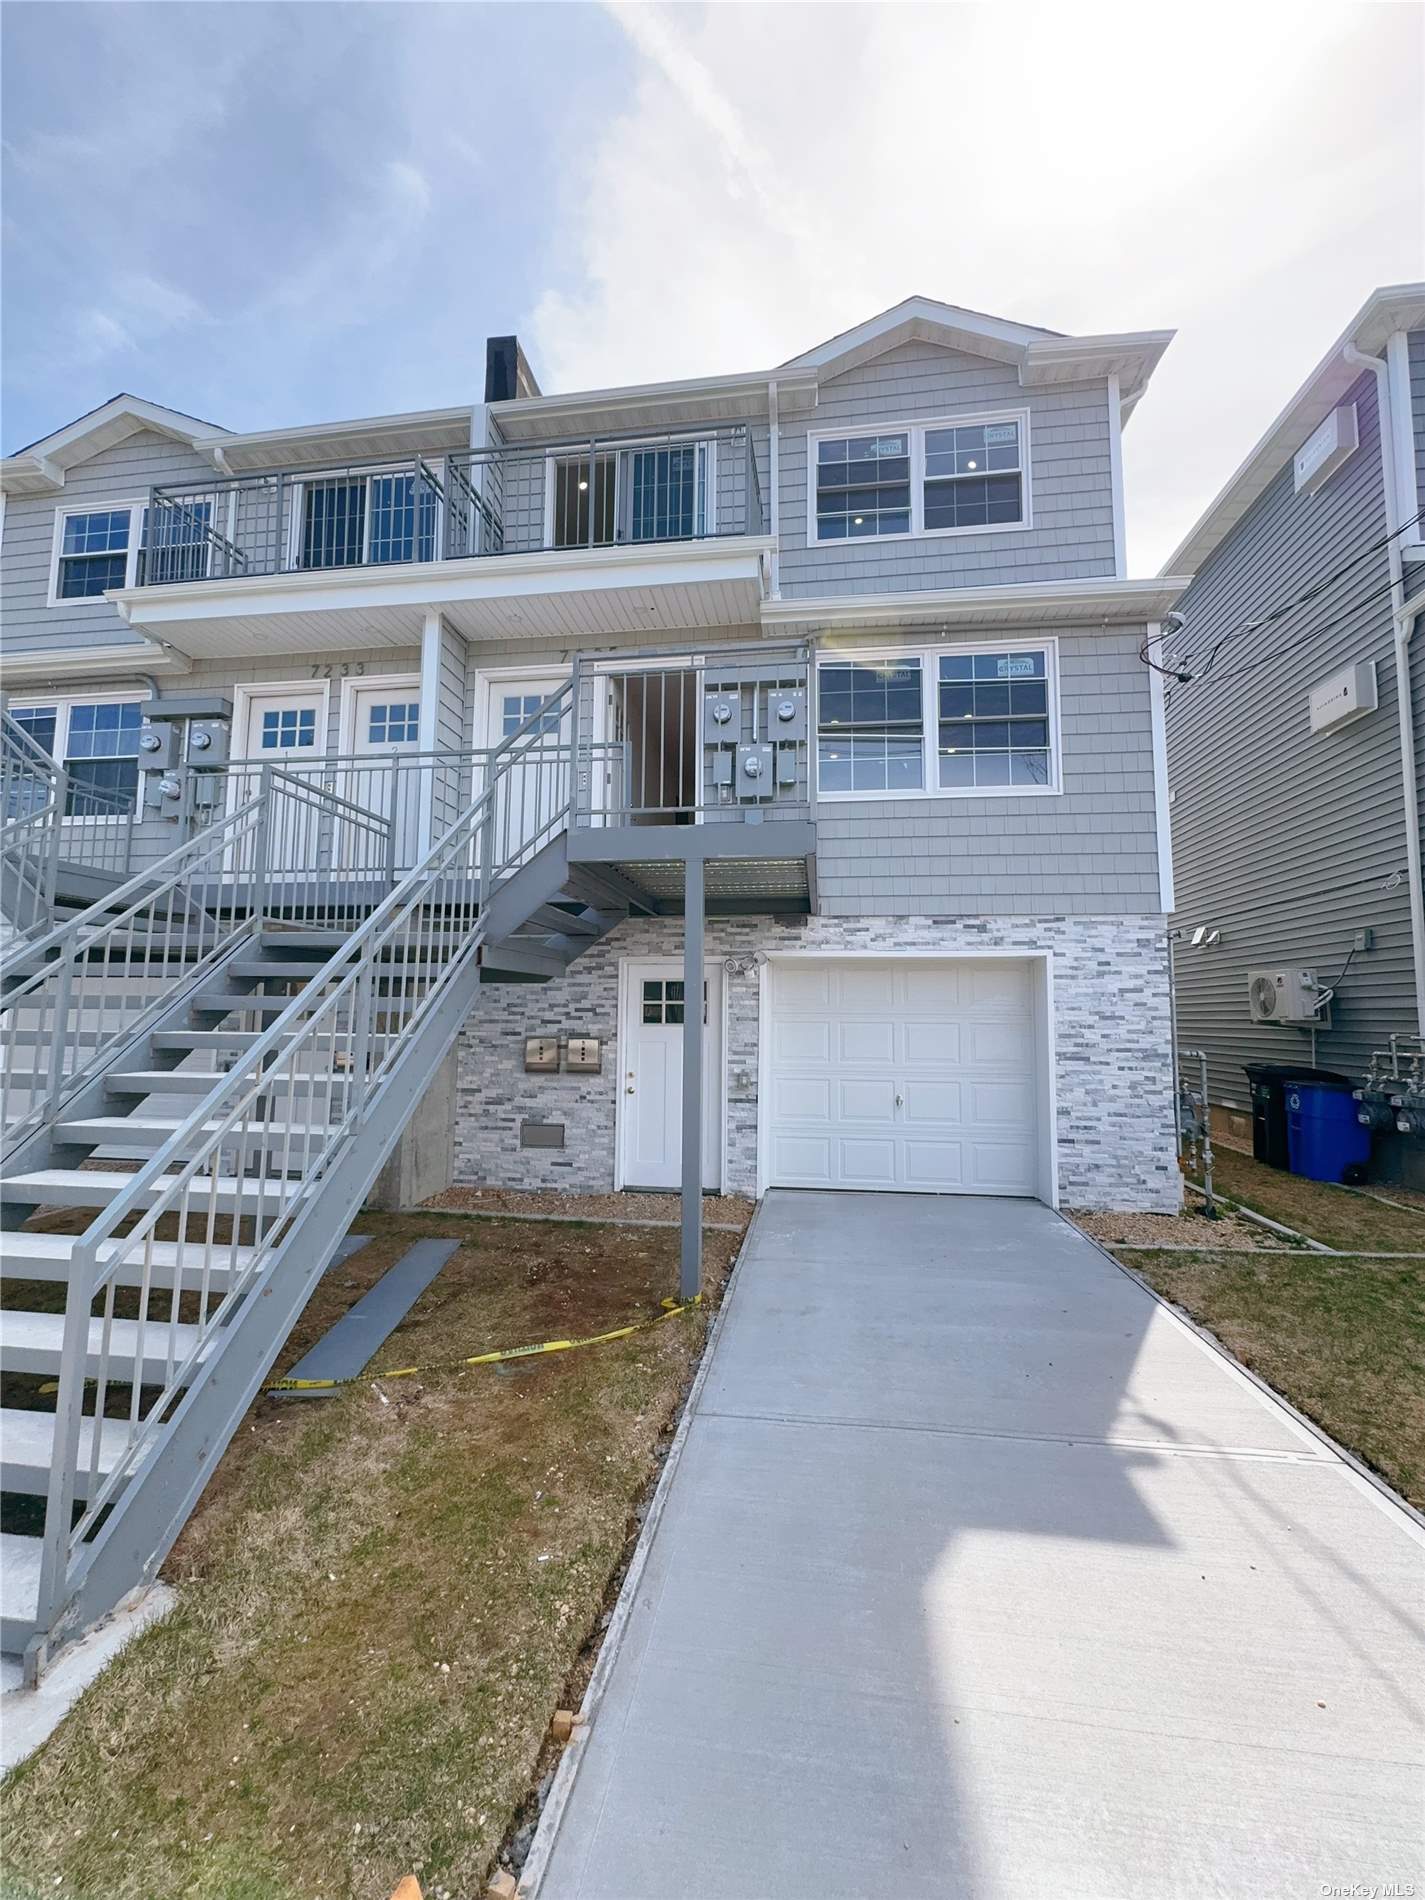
(982, 1575)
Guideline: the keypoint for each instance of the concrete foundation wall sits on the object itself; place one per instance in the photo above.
(1113, 1067)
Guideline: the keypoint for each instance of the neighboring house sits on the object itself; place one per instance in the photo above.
(961, 986)
(1297, 753)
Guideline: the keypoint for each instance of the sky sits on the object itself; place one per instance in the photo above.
(269, 214)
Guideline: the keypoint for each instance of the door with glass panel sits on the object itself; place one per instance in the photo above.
(284, 726)
(537, 786)
(382, 722)
(661, 493)
(366, 520)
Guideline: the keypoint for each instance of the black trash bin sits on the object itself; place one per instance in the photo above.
(1268, 1082)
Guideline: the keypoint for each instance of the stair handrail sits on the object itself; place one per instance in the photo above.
(32, 799)
(335, 1043)
(192, 907)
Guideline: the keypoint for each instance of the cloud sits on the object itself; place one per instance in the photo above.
(781, 172)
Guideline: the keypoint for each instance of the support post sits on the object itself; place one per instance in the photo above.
(690, 1275)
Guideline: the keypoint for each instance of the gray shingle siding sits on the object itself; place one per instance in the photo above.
(1090, 850)
(1289, 843)
(1071, 480)
(1416, 350)
(123, 473)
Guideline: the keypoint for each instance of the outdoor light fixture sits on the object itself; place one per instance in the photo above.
(1205, 937)
(582, 487)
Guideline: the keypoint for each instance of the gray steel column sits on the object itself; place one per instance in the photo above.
(690, 1276)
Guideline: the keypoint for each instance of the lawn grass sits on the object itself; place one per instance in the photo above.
(381, 1599)
(1326, 1213)
(1343, 1340)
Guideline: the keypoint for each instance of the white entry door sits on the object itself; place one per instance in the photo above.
(650, 1075)
(909, 1073)
(538, 786)
(284, 726)
(381, 724)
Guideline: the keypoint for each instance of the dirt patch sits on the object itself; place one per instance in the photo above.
(1188, 1229)
(381, 1597)
(1326, 1213)
(724, 1209)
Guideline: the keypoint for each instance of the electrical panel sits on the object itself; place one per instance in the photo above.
(158, 745)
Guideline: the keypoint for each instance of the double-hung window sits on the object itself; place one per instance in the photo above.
(944, 721)
(95, 549)
(97, 742)
(956, 475)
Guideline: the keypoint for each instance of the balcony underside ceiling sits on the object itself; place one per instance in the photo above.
(570, 599)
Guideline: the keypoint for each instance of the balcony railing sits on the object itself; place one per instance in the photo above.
(594, 492)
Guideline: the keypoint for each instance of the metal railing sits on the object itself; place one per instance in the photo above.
(714, 737)
(224, 1192)
(75, 995)
(513, 498)
(49, 817)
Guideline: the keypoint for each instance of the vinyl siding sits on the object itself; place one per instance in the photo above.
(123, 473)
(1289, 843)
(1090, 850)
(1071, 480)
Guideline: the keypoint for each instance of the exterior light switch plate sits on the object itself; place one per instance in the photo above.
(541, 1055)
(584, 1055)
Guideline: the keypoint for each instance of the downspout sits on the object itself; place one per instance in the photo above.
(774, 500)
(1403, 615)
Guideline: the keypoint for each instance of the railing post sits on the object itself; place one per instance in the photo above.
(63, 997)
(363, 1010)
(68, 1418)
(61, 801)
(261, 835)
(581, 750)
(392, 826)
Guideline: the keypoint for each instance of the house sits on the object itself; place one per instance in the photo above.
(1296, 742)
(449, 755)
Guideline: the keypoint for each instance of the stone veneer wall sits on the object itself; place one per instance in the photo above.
(1112, 1049)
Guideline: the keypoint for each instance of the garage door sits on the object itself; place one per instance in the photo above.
(907, 1073)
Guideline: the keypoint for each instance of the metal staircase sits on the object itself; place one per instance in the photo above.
(212, 1064)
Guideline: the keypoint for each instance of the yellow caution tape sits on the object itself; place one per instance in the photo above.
(671, 1310)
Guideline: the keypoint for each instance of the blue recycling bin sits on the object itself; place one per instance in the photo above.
(1325, 1142)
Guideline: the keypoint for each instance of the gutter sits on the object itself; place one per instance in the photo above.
(1404, 614)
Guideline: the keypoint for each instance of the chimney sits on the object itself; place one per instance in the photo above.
(508, 375)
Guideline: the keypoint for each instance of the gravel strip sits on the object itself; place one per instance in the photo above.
(730, 1211)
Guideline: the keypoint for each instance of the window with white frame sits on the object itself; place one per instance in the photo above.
(360, 520)
(97, 742)
(946, 720)
(93, 552)
(957, 475)
(659, 493)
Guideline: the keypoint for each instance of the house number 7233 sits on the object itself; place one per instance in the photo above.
(347, 669)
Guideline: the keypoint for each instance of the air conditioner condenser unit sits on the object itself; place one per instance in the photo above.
(1283, 996)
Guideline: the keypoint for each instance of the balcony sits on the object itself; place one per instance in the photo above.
(598, 535)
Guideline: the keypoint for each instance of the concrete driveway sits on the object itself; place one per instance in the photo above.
(980, 1574)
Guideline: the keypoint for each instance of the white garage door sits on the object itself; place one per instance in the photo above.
(907, 1073)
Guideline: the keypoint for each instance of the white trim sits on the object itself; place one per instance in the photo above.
(1046, 1074)
(131, 555)
(243, 696)
(41, 468)
(1115, 476)
(433, 583)
(715, 976)
(914, 428)
(1402, 434)
(1157, 707)
(929, 708)
(124, 659)
(1094, 603)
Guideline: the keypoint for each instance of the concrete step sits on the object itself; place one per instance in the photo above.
(27, 1256)
(94, 1187)
(33, 1342)
(27, 1450)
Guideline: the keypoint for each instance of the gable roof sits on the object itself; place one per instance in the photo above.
(40, 468)
(1394, 307)
(1041, 356)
